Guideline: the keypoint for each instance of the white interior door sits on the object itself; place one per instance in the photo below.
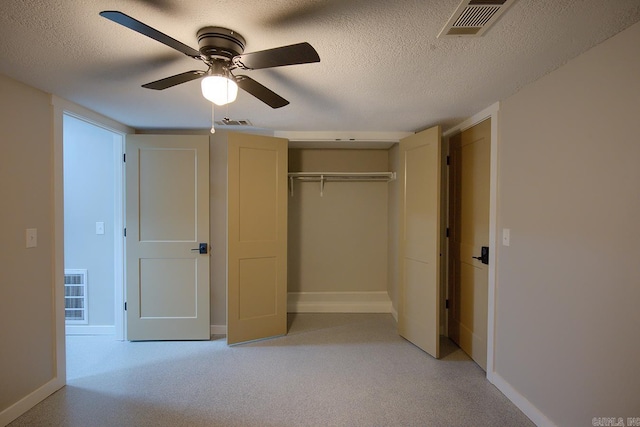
(257, 237)
(167, 184)
(419, 296)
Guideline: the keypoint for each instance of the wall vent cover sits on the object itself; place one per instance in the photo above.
(75, 296)
(474, 17)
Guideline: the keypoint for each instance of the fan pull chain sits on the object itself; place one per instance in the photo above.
(213, 120)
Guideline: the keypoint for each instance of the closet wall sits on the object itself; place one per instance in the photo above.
(337, 241)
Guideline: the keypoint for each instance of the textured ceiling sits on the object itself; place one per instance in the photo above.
(382, 67)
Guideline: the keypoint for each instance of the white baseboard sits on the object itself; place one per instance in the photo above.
(90, 329)
(394, 313)
(29, 401)
(339, 302)
(218, 329)
(534, 414)
(332, 302)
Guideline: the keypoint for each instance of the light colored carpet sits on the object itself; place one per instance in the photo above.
(330, 370)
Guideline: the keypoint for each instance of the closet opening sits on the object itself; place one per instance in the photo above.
(340, 233)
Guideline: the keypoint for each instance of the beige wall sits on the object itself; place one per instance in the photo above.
(27, 323)
(338, 241)
(338, 160)
(218, 226)
(568, 286)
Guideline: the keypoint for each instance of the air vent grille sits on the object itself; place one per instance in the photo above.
(75, 296)
(474, 17)
(233, 123)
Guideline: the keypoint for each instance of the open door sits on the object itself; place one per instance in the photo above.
(257, 237)
(167, 184)
(469, 180)
(419, 296)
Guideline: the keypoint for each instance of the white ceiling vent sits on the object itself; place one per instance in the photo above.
(227, 122)
(473, 17)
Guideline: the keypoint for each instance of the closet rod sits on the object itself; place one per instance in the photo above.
(369, 176)
(322, 177)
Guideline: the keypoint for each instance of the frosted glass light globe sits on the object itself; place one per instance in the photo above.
(219, 89)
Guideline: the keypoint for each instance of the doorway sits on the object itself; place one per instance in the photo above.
(93, 224)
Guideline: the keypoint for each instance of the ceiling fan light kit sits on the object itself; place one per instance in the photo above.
(219, 89)
(222, 50)
(219, 86)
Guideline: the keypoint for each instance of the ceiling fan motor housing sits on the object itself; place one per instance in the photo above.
(219, 43)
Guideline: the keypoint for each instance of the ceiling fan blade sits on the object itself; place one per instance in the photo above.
(144, 29)
(264, 94)
(174, 80)
(301, 53)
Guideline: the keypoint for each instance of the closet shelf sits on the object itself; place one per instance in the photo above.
(323, 177)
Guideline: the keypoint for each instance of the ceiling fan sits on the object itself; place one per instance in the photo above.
(222, 50)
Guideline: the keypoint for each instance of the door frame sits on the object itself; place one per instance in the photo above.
(61, 107)
(490, 112)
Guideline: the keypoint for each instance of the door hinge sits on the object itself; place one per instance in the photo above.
(446, 303)
(124, 157)
(125, 306)
(448, 160)
(447, 232)
(125, 232)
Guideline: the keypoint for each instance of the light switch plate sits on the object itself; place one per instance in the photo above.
(100, 227)
(32, 237)
(506, 236)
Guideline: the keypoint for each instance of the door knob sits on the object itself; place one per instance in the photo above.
(484, 255)
(202, 248)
